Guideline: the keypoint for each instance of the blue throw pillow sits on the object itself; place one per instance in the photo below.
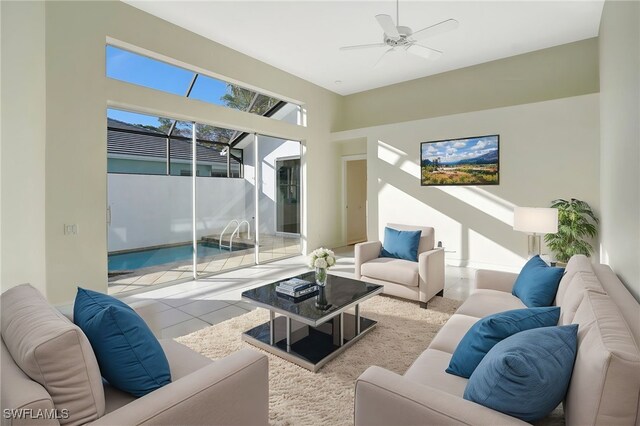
(484, 335)
(537, 283)
(526, 375)
(401, 244)
(130, 357)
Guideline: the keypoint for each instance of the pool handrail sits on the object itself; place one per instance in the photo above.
(236, 232)
(220, 245)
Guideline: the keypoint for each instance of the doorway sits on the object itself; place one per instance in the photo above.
(355, 205)
(288, 196)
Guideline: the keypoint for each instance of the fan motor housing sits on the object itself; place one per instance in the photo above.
(393, 41)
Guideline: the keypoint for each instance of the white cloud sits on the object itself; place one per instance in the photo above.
(459, 144)
(451, 151)
(480, 145)
(431, 149)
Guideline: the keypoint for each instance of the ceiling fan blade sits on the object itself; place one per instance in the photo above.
(423, 51)
(382, 58)
(362, 46)
(389, 28)
(439, 28)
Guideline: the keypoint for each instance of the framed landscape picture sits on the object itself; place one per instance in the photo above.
(467, 161)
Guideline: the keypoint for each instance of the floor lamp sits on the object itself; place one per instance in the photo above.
(535, 221)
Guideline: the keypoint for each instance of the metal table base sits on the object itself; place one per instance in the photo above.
(307, 346)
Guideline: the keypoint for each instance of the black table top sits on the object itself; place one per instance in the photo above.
(338, 294)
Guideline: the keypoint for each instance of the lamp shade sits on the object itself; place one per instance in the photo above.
(537, 220)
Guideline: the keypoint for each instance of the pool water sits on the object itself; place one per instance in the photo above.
(160, 256)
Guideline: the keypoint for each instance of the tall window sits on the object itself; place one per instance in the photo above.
(144, 71)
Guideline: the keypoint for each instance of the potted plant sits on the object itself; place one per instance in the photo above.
(576, 222)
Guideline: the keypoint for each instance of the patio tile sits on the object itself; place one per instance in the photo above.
(148, 278)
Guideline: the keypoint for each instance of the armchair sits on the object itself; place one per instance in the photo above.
(419, 281)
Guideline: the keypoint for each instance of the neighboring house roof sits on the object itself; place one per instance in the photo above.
(149, 145)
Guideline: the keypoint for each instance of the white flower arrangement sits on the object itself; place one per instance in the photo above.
(322, 258)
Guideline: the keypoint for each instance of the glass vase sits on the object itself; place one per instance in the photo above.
(321, 276)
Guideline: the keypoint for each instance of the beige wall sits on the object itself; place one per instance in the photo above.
(22, 175)
(548, 150)
(620, 140)
(77, 96)
(557, 72)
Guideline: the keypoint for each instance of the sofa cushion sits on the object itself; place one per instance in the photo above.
(484, 302)
(400, 244)
(398, 271)
(537, 283)
(605, 385)
(452, 332)
(428, 369)
(130, 357)
(488, 331)
(182, 361)
(54, 352)
(526, 375)
(575, 291)
(577, 263)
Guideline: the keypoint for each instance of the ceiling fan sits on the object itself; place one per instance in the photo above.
(401, 38)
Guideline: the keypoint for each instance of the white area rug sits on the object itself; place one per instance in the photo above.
(300, 397)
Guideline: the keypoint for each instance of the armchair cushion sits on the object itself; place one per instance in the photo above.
(397, 271)
(401, 244)
(537, 283)
(129, 355)
(526, 375)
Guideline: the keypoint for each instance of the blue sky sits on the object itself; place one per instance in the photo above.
(459, 149)
(132, 68)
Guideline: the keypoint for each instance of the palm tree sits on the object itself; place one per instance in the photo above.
(575, 219)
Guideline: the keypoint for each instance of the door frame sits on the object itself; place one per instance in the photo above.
(345, 159)
(275, 185)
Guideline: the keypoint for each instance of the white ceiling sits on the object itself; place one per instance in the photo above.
(303, 37)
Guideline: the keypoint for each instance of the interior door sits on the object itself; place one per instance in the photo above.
(288, 196)
(356, 197)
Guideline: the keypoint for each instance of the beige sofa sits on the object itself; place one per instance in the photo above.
(605, 384)
(402, 278)
(63, 375)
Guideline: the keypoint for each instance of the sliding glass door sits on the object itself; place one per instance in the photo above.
(186, 200)
(279, 199)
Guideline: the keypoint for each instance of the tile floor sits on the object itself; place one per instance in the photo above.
(184, 308)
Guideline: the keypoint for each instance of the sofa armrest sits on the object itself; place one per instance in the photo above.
(495, 280)
(385, 398)
(231, 391)
(431, 273)
(365, 252)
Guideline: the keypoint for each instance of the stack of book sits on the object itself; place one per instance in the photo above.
(295, 287)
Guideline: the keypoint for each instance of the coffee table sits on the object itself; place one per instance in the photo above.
(311, 331)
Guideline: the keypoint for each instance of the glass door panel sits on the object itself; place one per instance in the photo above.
(278, 198)
(149, 231)
(225, 231)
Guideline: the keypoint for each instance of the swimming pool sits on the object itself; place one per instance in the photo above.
(159, 256)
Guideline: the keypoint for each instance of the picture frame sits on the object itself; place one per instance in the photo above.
(465, 161)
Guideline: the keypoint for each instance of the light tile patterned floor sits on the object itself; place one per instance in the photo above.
(271, 247)
(180, 309)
